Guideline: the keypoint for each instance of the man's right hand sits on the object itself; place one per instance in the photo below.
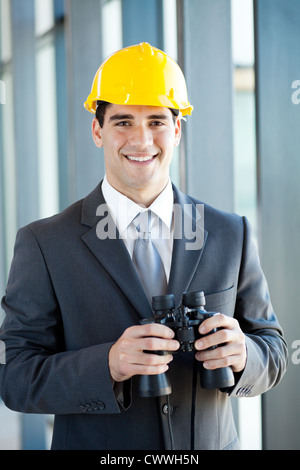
(127, 356)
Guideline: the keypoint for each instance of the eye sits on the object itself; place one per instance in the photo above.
(156, 123)
(123, 123)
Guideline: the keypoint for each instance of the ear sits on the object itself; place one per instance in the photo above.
(177, 131)
(96, 131)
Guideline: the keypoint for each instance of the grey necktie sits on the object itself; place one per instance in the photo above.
(146, 258)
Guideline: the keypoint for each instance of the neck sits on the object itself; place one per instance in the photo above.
(144, 197)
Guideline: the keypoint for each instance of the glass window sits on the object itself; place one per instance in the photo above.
(9, 420)
(177, 168)
(111, 16)
(47, 130)
(245, 171)
(8, 169)
(46, 109)
(170, 28)
(242, 32)
(5, 32)
(44, 16)
(7, 135)
(244, 109)
(2, 92)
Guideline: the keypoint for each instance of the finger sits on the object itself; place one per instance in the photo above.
(220, 352)
(122, 357)
(150, 329)
(145, 363)
(218, 320)
(235, 362)
(233, 354)
(219, 363)
(142, 369)
(124, 364)
(214, 339)
(148, 359)
(158, 344)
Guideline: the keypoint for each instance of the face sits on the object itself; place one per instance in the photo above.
(138, 144)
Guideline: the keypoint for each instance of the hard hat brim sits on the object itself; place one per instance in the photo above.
(140, 75)
(164, 102)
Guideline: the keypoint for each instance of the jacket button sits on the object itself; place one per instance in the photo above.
(167, 409)
(101, 405)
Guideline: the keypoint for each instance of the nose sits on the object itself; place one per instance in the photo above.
(140, 137)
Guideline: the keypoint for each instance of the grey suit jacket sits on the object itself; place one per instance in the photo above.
(70, 296)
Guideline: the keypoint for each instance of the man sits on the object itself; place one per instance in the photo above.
(76, 345)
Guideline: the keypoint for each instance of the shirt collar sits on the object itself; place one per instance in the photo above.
(124, 210)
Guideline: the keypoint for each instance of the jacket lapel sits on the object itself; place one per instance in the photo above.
(189, 242)
(111, 251)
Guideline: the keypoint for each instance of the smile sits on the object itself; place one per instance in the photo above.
(140, 159)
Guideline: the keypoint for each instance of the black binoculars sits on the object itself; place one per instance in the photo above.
(184, 321)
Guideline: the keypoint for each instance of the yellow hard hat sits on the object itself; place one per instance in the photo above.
(140, 75)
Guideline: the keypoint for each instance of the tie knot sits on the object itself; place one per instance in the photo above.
(142, 223)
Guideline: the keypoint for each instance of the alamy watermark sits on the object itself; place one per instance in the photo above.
(188, 224)
(295, 357)
(2, 92)
(296, 94)
(2, 353)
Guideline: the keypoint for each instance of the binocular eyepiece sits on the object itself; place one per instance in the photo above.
(185, 322)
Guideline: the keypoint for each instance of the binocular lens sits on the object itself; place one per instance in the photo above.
(189, 299)
(193, 299)
(163, 302)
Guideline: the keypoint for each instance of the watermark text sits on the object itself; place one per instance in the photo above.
(295, 358)
(2, 353)
(296, 94)
(187, 224)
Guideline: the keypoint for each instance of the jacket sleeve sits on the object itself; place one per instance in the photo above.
(266, 348)
(39, 375)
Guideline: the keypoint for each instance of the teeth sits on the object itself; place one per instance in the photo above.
(140, 159)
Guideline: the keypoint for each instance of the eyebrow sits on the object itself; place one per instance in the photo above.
(159, 116)
(120, 117)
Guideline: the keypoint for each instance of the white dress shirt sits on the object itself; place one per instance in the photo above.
(123, 210)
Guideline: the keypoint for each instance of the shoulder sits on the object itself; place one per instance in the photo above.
(73, 219)
(66, 219)
(213, 217)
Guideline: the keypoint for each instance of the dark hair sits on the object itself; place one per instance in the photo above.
(100, 111)
(102, 105)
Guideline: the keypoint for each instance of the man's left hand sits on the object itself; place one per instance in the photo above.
(232, 350)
